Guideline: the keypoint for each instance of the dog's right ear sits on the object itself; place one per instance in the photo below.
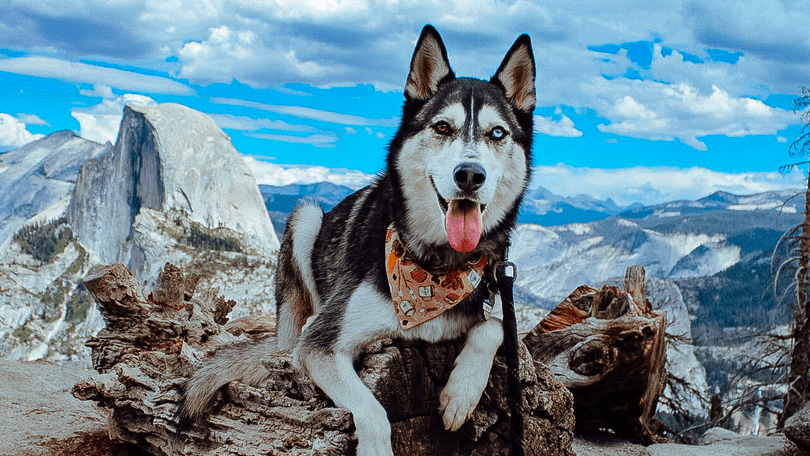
(429, 66)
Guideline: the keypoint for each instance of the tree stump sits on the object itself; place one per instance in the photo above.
(608, 347)
(153, 343)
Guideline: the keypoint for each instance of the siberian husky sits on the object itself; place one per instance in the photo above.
(411, 255)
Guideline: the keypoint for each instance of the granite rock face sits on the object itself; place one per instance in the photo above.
(37, 179)
(171, 159)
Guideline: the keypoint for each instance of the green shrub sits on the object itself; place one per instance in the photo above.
(78, 263)
(78, 305)
(44, 241)
(22, 333)
(205, 238)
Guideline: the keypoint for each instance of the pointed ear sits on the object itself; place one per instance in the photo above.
(516, 75)
(429, 66)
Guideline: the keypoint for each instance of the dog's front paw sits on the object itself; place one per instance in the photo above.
(457, 402)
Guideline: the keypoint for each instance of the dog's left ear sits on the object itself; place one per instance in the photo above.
(429, 66)
(516, 75)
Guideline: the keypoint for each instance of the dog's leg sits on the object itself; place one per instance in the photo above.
(471, 373)
(328, 347)
(335, 375)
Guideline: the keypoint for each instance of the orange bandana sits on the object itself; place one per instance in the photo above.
(419, 295)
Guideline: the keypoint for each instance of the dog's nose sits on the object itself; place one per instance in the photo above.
(469, 176)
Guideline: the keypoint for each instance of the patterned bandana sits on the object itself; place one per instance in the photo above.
(419, 295)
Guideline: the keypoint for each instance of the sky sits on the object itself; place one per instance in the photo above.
(637, 101)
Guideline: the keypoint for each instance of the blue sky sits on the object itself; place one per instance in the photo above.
(637, 101)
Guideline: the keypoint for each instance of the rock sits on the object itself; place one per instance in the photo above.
(36, 180)
(607, 445)
(149, 348)
(168, 158)
(37, 406)
(715, 442)
(797, 428)
(722, 442)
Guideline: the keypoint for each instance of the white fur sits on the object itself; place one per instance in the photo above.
(307, 224)
(372, 318)
(336, 376)
(421, 161)
(469, 378)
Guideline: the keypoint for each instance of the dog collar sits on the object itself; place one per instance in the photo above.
(420, 295)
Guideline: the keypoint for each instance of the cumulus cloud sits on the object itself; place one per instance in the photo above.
(14, 132)
(100, 122)
(653, 185)
(563, 126)
(656, 111)
(273, 174)
(646, 185)
(228, 54)
(365, 41)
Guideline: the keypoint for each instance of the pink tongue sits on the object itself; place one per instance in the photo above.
(463, 225)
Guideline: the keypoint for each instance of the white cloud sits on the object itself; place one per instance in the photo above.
(274, 174)
(562, 127)
(646, 185)
(14, 133)
(241, 54)
(244, 123)
(653, 185)
(309, 113)
(333, 43)
(318, 140)
(664, 112)
(100, 123)
(31, 119)
(82, 73)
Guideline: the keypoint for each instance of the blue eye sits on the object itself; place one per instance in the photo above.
(497, 133)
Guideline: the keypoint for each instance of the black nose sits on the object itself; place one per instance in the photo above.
(469, 176)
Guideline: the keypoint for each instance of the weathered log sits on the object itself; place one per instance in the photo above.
(152, 344)
(609, 348)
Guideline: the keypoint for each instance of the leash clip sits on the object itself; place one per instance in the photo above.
(507, 269)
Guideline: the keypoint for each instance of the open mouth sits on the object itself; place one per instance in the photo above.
(463, 222)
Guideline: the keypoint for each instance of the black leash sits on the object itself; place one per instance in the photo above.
(505, 273)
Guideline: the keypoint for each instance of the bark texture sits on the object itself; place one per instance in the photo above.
(608, 347)
(153, 342)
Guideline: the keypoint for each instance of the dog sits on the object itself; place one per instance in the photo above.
(411, 255)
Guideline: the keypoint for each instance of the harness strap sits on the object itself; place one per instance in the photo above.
(505, 273)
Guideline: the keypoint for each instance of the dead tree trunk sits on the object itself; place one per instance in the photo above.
(609, 348)
(153, 343)
(798, 380)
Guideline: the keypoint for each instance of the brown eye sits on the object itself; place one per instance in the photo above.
(443, 128)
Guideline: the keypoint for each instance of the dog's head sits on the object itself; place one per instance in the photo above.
(462, 155)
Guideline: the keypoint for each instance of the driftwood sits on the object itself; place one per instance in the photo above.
(151, 344)
(608, 347)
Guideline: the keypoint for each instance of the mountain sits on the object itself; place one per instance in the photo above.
(170, 159)
(543, 207)
(540, 205)
(708, 264)
(172, 189)
(280, 201)
(36, 180)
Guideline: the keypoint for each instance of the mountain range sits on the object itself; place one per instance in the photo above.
(173, 188)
